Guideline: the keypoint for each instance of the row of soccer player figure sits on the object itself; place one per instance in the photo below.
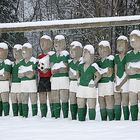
(72, 80)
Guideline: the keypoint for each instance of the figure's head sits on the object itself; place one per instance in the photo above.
(135, 39)
(88, 54)
(59, 43)
(27, 51)
(17, 51)
(3, 50)
(104, 49)
(122, 44)
(46, 43)
(76, 49)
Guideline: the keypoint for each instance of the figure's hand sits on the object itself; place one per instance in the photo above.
(118, 88)
(21, 75)
(132, 71)
(29, 74)
(55, 71)
(91, 85)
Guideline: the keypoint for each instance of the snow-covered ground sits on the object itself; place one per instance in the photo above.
(36, 128)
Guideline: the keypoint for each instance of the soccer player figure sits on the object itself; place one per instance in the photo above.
(15, 82)
(89, 75)
(133, 71)
(5, 71)
(76, 50)
(60, 80)
(121, 95)
(27, 72)
(105, 85)
(44, 87)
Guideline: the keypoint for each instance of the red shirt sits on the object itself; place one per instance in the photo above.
(42, 74)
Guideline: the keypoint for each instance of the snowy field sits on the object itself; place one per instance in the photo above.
(36, 128)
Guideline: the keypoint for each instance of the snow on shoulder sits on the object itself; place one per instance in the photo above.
(75, 44)
(18, 46)
(64, 53)
(122, 37)
(90, 48)
(104, 43)
(3, 45)
(46, 37)
(59, 37)
(135, 32)
(27, 45)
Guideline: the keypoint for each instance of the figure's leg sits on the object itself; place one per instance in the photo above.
(5, 102)
(117, 106)
(14, 101)
(81, 102)
(73, 105)
(1, 108)
(125, 105)
(110, 106)
(64, 96)
(92, 108)
(19, 98)
(33, 98)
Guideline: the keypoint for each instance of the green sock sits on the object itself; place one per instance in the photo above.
(15, 109)
(43, 108)
(73, 110)
(126, 112)
(34, 109)
(6, 108)
(1, 108)
(20, 109)
(65, 109)
(117, 112)
(103, 113)
(81, 114)
(110, 113)
(57, 109)
(134, 112)
(52, 109)
(92, 114)
(25, 110)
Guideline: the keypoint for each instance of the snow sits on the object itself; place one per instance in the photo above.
(2, 72)
(23, 69)
(64, 53)
(7, 62)
(134, 65)
(135, 32)
(3, 45)
(37, 128)
(27, 45)
(58, 66)
(122, 37)
(75, 44)
(57, 24)
(18, 47)
(104, 43)
(59, 37)
(46, 37)
(90, 48)
(45, 62)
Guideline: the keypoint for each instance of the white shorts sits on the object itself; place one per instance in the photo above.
(29, 86)
(86, 92)
(134, 85)
(4, 86)
(58, 83)
(73, 86)
(105, 89)
(124, 88)
(15, 87)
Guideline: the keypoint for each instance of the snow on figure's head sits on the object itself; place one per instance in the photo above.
(122, 44)
(17, 51)
(27, 51)
(59, 43)
(46, 43)
(104, 49)
(76, 49)
(135, 40)
(3, 50)
(88, 54)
